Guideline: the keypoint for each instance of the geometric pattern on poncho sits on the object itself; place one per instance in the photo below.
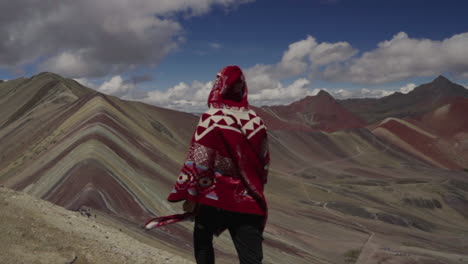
(200, 154)
(224, 118)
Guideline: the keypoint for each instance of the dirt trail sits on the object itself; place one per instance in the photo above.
(36, 231)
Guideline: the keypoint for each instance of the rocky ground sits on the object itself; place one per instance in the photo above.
(36, 231)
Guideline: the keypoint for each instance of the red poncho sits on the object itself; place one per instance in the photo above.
(227, 162)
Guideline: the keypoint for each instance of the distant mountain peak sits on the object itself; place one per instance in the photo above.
(320, 96)
(49, 81)
(324, 93)
(318, 112)
(440, 86)
(441, 80)
(48, 75)
(422, 99)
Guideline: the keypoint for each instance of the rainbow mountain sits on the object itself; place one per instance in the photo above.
(349, 182)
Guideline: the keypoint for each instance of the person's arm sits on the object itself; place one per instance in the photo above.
(197, 163)
(185, 186)
(185, 179)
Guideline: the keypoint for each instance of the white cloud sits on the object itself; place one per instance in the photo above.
(403, 57)
(368, 93)
(185, 97)
(116, 86)
(373, 93)
(279, 94)
(340, 93)
(72, 64)
(294, 59)
(395, 59)
(260, 77)
(327, 53)
(266, 82)
(306, 54)
(301, 57)
(94, 38)
(193, 97)
(408, 88)
(359, 93)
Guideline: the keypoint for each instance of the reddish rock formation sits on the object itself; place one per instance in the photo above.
(313, 113)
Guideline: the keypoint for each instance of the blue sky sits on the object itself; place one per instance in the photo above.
(167, 52)
(260, 32)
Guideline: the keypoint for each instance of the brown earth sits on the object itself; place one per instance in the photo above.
(37, 231)
(312, 113)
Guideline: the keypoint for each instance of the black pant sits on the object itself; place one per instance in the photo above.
(245, 229)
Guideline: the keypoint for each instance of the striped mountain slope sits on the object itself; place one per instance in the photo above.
(332, 191)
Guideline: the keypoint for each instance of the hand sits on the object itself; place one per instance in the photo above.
(189, 206)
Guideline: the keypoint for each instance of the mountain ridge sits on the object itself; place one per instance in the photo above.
(423, 98)
(319, 112)
(120, 158)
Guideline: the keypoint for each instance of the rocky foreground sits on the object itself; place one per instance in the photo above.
(37, 231)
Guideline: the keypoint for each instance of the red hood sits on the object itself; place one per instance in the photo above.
(229, 89)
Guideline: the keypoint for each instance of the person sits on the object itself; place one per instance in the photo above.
(223, 177)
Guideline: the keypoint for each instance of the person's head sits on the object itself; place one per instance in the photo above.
(229, 89)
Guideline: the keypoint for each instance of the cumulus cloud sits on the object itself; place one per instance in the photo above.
(116, 86)
(393, 60)
(403, 57)
(193, 97)
(308, 54)
(185, 97)
(408, 88)
(308, 59)
(341, 93)
(301, 57)
(359, 93)
(372, 93)
(279, 94)
(260, 77)
(399, 58)
(76, 63)
(396, 59)
(369, 93)
(90, 38)
(266, 82)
